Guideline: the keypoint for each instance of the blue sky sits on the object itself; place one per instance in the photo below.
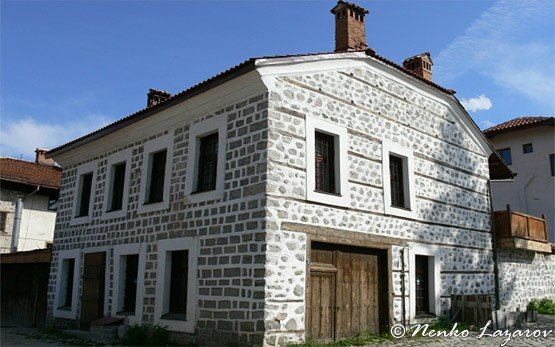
(68, 68)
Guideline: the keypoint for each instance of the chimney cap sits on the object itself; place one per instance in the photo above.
(350, 5)
(427, 55)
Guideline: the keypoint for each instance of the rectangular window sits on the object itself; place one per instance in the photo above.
(130, 291)
(505, 153)
(117, 182)
(527, 148)
(178, 282)
(397, 180)
(207, 163)
(552, 163)
(422, 285)
(155, 192)
(324, 153)
(85, 186)
(3, 221)
(66, 298)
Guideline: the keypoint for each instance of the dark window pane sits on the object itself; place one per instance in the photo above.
(422, 285)
(505, 153)
(527, 148)
(552, 163)
(3, 220)
(397, 181)
(130, 294)
(157, 173)
(324, 152)
(208, 163)
(85, 197)
(178, 281)
(69, 268)
(118, 180)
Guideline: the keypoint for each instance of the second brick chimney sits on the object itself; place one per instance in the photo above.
(155, 96)
(40, 157)
(420, 65)
(350, 32)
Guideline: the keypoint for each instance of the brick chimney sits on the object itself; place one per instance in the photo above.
(350, 32)
(155, 96)
(420, 65)
(40, 157)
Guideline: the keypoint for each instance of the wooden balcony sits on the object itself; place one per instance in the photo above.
(515, 230)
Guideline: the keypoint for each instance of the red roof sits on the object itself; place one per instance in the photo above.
(518, 124)
(22, 171)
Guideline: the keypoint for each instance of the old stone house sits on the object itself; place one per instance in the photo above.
(34, 187)
(282, 199)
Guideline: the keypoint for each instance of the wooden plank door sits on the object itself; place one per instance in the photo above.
(321, 305)
(356, 294)
(92, 297)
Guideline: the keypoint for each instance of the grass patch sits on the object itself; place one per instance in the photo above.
(52, 334)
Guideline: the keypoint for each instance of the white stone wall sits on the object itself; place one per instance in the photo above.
(451, 175)
(524, 276)
(231, 261)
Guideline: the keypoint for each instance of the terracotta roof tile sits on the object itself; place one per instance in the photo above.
(21, 171)
(518, 124)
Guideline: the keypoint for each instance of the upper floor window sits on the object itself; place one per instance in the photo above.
(552, 163)
(324, 153)
(206, 159)
(115, 200)
(155, 179)
(84, 196)
(327, 162)
(207, 163)
(527, 148)
(396, 176)
(505, 153)
(3, 221)
(398, 180)
(157, 172)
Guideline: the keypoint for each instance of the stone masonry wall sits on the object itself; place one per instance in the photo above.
(7, 204)
(524, 276)
(451, 175)
(231, 230)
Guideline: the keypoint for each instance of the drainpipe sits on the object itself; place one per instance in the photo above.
(16, 224)
(495, 260)
(17, 220)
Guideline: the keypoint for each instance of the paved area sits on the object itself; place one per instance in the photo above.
(17, 336)
(544, 326)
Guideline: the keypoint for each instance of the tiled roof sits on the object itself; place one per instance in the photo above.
(518, 124)
(21, 171)
(216, 80)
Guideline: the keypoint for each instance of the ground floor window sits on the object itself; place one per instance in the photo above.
(129, 277)
(67, 284)
(176, 280)
(422, 284)
(66, 293)
(424, 273)
(130, 291)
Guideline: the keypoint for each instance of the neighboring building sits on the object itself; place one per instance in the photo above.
(527, 144)
(38, 186)
(276, 202)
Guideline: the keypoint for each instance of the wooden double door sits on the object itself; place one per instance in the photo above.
(344, 294)
(92, 297)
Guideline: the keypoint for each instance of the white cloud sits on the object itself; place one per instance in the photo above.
(486, 124)
(21, 137)
(480, 103)
(498, 45)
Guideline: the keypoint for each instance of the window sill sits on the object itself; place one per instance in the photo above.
(328, 198)
(326, 193)
(400, 212)
(175, 316)
(79, 220)
(114, 214)
(195, 197)
(425, 316)
(125, 313)
(154, 206)
(64, 308)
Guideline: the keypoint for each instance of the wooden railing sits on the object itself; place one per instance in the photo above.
(511, 225)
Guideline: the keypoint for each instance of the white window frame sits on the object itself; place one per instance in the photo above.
(341, 165)
(196, 132)
(150, 147)
(163, 273)
(64, 255)
(434, 269)
(121, 251)
(117, 158)
(82, 170)
(392, 148)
